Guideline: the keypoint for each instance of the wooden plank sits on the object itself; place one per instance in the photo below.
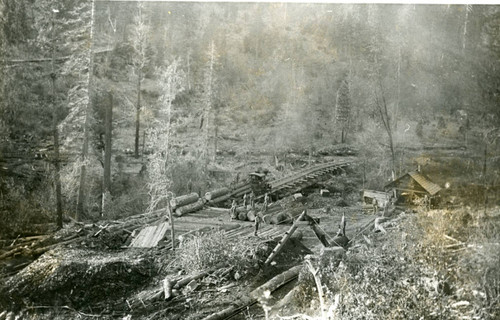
(150, 236)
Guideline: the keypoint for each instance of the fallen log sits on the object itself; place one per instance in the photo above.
(11, 252)
(283, 240)
(189, 208)
(242, 216)
(19, 240)
(246, 301)
(220, 199)
(378, 224)
(184, 281)
(216, 193)
(184, 200)
(321, 235)
(251, 215)
(280, 218)
(169, 287)
(286, 301)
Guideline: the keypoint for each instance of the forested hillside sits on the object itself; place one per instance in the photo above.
(242, 78)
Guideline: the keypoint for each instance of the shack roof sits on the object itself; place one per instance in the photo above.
(430, 187)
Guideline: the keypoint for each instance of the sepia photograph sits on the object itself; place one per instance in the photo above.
(213, 160)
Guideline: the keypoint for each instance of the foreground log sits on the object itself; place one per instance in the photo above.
(271, 285)
(184, 200)
(181, 283)
(169, 287)
(321, 235)
(378, 224)
(216, 193)
(283, 240)
(189, 208)
(276, 282)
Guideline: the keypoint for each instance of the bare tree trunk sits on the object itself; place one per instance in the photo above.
(85, 148)
(484, 177)
(398, 93)
(215, 141)
(171, 220)
(107, 152)
(188, 76)
(208, 102)
(57, 163)
(138, 113)
(386, 120)
(464, 38)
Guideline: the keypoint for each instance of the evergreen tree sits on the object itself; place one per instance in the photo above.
(343, 110)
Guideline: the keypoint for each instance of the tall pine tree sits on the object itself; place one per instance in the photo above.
(343, 110)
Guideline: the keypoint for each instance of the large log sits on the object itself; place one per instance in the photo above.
(184, 200)
(216, 193)
(283, 240)
(220, 199)
(322, 236)
(276, 282)
(189, 208)
(242, 216)
(251, 215)
(181, 283)
(271, 285)
(378, 225)
(280, 218)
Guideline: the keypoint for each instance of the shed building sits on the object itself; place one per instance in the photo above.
(412, 186)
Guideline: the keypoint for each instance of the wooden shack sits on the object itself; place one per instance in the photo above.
(413, 187)
(382, 198)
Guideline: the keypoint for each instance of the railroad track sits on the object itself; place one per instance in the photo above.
(296, 181)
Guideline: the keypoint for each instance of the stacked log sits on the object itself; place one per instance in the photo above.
(217, 193)
(184, 200)
(242, 216)
(192, 207)
(251, 215)
(220, 199)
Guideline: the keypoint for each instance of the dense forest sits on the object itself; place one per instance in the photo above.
(172, 83)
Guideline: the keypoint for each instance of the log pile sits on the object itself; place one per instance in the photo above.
(191, 207)
(214, 196)
(184, 200)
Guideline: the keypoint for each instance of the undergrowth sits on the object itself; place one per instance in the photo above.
(431, 265)
(204, 251)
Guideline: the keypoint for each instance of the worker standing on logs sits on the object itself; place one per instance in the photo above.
(252, 200)
(232, 211)
(245, 200)
(265, 204)
(267, 200)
